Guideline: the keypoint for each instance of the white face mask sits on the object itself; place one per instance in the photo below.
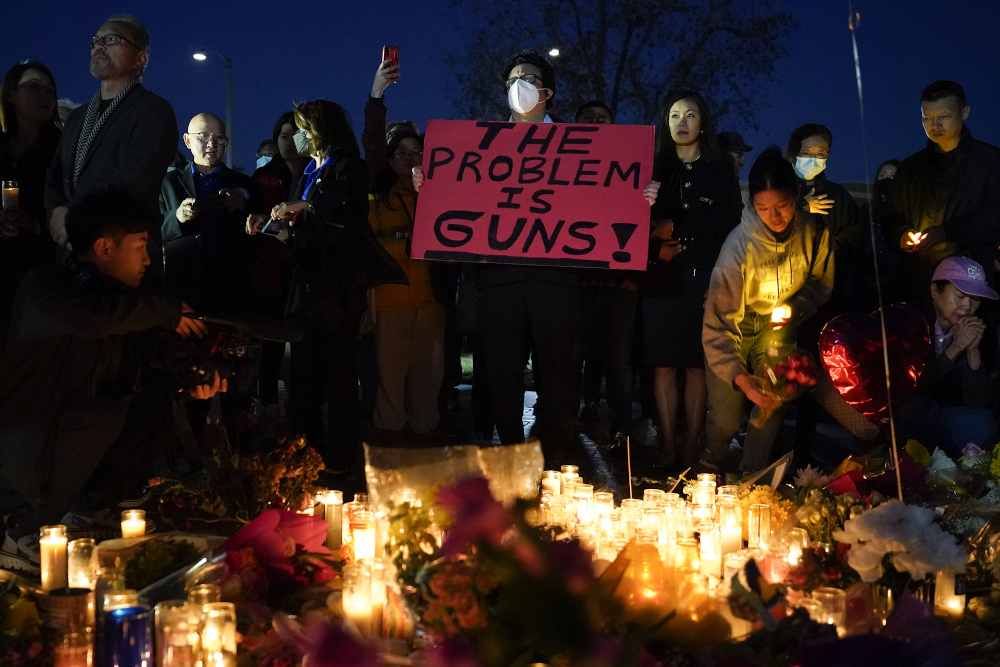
(262, 160)
(522, 97)
(301, 143)
(809, 168)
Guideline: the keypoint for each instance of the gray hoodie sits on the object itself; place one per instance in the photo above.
(755, 273)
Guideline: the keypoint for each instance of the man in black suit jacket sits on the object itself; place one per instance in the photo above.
(124, 139)
(204, 211)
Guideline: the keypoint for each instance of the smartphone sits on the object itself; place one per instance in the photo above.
(391, 53)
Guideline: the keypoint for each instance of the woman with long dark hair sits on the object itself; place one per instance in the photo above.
(30, 136)
(698, 205)
(336, 260)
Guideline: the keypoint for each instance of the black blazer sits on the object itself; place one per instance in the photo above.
(132, 152)
(337, 257)
(206, 260)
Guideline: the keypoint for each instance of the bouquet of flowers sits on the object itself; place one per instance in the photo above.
(240, 486)
(785, 377)
(823, 513)
(895, 538)
(823, 567)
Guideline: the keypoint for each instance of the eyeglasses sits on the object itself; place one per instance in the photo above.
(219, 139)
(528, 78)
(109, 39)
(403, 155)
(37, 87)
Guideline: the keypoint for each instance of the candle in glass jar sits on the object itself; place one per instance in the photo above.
(732, 539)
(357, 596)
(711, 553)
(133, 523)
(583, 496)
(949, 593)
(552, 481)
(203, 594)
(218, 634)
(333, 512)
(730, 524)
(363, 534)
(797, 540)
(10, 194)
(704, 493)
(687, 558)
(758, 526)
(75, 649)
(833, 603)
(52, 552)
(81, 563)
(376, 570)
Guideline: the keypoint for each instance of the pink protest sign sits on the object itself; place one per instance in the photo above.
(547, 194)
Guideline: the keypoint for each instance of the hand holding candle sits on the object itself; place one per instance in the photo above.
(780, 316)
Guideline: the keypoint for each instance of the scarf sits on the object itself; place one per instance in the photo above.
(93, 123)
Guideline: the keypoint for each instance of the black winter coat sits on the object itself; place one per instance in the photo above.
(964, 200)
(336, 255)
(703, 200)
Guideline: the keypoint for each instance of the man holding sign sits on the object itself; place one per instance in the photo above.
(533, 201)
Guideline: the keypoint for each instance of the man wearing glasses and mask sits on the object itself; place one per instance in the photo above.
(124, 138)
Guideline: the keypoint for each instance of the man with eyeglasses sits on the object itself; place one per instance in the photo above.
(206, 255)
(123, 139)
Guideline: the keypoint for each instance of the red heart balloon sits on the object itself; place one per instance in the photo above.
(850, 348)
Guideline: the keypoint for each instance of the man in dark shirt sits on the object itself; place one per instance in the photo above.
(945, 199)
(124, 139)
(78, 404)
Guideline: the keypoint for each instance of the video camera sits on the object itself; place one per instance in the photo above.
(231, 348)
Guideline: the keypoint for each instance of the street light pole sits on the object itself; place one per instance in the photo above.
(201, 55)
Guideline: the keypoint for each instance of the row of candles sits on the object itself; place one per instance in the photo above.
(699, 540)
(64, 563)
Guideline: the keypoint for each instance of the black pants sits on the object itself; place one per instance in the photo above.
(325, 370)
(545, 315)
(101, 451)
(607, 314)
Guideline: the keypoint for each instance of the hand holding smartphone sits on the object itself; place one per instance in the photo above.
(391, 53)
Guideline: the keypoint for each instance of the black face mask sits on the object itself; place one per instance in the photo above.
(881, 188)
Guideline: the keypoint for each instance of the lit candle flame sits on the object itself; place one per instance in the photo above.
(916, 238)
(781, 315)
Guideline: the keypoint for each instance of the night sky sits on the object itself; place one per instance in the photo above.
(296, 51)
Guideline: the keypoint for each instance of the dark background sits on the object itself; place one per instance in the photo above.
(295, 51)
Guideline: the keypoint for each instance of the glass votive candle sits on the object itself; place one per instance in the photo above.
(775, 567)
(687, 558)
(653, 519)
(333, 511)
(570, 470)
(704, 493)
(569, 480)
(728, 490)
(583, 496)
(813, 607)
(652, 496)
(362, 499)
(646, 570)
(797, 541)
(81, 563)
(363, 534)
(75, 649)
(204, 594)
(52, 554)
(631, 518)
(604, 503)
(949, 593)
(710, 553)
(133, 523)
(357, 596)
(376, 573)
(552, 481)
(177, 639)
(347, 513)
(758, 526)
(834, 607)
(218, 634)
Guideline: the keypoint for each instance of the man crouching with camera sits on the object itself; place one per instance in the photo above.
(80, 411)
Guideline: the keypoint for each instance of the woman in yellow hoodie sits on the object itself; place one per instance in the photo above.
(409, 321)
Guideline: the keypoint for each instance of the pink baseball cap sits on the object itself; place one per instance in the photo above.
(966, 275)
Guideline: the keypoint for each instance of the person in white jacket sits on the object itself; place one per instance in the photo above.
(774, 271)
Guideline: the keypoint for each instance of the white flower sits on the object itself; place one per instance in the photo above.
(810, 477)
(907, 533)
(942, 463)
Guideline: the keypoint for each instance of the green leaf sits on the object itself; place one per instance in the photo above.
(918, 453)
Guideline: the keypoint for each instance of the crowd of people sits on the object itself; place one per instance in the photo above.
(113, 241)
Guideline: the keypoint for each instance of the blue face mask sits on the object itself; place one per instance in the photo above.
(809, 168)
(262, 160)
